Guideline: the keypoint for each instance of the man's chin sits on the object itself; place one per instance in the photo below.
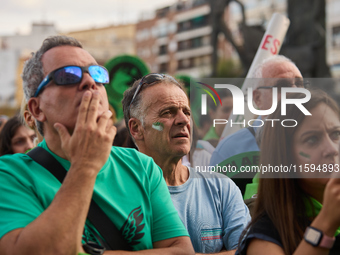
(182, 151)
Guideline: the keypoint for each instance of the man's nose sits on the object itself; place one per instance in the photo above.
(182, 118)
(29, 144)
(87, 82)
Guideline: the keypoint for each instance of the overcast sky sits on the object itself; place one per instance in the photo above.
(16, 16)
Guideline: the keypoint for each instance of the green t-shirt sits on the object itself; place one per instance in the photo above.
(129, 188)
(313, 209)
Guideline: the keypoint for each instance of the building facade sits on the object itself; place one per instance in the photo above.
(178, 40)
(259, 12)
(14, 51)
(107, 42)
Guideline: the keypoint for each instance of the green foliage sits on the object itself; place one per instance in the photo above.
(228, 68)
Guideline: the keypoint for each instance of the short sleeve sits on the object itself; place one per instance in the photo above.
(19, 205)
(263, 229)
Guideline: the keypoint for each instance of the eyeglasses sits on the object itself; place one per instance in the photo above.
(288, 83)
(149, 79)
(68, 75)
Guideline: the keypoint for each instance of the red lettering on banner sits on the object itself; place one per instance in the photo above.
(276, 44)
(266, 41)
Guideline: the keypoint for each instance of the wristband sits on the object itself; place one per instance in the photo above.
(93, 248)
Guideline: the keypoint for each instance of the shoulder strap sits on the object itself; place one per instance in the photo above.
(251, 130)
(111, 234)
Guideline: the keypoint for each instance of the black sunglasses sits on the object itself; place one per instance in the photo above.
(287, 83)
(68, 75)
(150, 79)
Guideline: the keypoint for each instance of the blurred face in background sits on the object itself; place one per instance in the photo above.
(223, 112)
(22, 140)
(280, 70)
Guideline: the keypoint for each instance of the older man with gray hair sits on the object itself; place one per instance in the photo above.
(157, 112)
(243, 144)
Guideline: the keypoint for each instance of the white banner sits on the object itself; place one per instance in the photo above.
(270, 45)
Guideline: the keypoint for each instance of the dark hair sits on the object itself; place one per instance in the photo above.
(282, 199)
(123, 139)
(7, 133)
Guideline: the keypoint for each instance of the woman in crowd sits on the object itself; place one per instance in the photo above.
(15, 137)
(299, 215)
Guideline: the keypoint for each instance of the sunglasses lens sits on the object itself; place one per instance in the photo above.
(68, 75)
(99, 74)
(284, 83)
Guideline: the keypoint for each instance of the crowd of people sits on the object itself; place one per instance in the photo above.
(74, 182)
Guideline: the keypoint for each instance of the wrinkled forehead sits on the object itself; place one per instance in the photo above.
(281, 70)
(162, 95)
(323, 117)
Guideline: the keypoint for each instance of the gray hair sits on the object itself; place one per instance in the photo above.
(136, 109)
(33, 72)
(276, 59)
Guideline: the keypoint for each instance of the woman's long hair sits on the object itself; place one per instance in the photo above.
(281, 198)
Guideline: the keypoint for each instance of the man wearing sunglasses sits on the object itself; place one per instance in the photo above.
(64, 88)
(276, 71)
(156, 110)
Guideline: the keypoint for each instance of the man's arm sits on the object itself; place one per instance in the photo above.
(234, 212)
(231, 252)
(168, 231)
(58, 230)
(178, 245)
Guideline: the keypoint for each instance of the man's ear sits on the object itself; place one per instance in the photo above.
(257, 97)
(29, 119)
(136, 129)
(33, 106)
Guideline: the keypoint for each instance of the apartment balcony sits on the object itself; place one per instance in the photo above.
(193, 33)
(191, 53)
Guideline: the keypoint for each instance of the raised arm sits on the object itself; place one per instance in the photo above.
(327, 221)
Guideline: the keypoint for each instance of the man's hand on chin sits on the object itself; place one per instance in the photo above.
(91, 142)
